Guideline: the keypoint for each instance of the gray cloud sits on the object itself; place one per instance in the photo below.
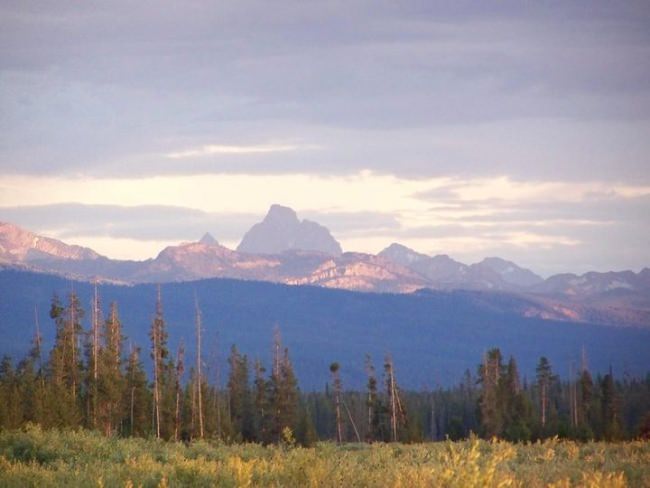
(420, 89)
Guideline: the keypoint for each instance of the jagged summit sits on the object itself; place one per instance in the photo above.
(282, 230)
(279, 213)
(208, 240)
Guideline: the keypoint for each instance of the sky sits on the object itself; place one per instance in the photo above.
(473, 129)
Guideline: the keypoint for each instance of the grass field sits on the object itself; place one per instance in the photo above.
(33, 457)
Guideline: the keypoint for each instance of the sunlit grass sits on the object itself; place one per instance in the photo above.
(33, 457)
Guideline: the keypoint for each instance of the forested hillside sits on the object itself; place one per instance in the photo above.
(92, 374)
(434, 337)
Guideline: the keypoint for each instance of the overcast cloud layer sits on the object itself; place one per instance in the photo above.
(552, 93)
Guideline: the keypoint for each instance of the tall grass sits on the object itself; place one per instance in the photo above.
(33, 457)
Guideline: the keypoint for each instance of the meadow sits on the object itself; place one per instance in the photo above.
(48, 458)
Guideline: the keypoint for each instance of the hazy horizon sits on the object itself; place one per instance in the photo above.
(510, 130)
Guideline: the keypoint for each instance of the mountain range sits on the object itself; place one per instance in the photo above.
(284, 249)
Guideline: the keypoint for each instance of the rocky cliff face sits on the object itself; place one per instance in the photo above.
(281, 230)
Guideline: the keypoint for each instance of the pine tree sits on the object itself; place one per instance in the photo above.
(610, 407)
(94, 351)
(110, 379)
(305, 431)
(136, 398)
(163, 376)
(29, 393)
(372, 403)
(260, 402)
(545, 381)
(178, 389)
(198, 383)
(31, 377)
(65, 365)
(490, 408)
(585, 400)
(516, 408)
(336, 383)
(74, 330)
(239, 396)
(283, 392)
(396, 411)
(36, 355)
(11, 413)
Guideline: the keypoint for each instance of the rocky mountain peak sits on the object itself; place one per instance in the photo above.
(281, 230)
(281, 214)
(208, 240)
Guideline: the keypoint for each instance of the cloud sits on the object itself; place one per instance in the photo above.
(423, 90)
(212, 149)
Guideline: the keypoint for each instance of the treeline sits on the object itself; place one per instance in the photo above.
(90, 379)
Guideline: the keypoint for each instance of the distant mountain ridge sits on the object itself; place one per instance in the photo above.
(491, 273)
(283, 249)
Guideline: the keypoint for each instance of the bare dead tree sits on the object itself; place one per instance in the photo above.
(336, 382)
(180, 369)
(397, 414)
(199, 378)
(155, 338)
(95, 352)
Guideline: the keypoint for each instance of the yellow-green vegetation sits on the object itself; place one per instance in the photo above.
(34, 457)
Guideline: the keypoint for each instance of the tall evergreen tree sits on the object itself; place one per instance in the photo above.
(373, 404)
(305, 431)
(396, 411)
(585, 400)
(610, 407)
(163, 376)
(516, 407)
(490, 408)
(110, 379)
(65, 362)
(260, 403)
(283, 392)
(239, 396)
(93, 353)
(32, 382)
(136, 398)
(545, 382)
(178, 390)
(198, 385)
(11, 412)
